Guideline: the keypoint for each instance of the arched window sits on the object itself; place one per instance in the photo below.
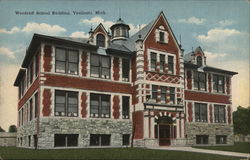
(100, 40)
(199, 61)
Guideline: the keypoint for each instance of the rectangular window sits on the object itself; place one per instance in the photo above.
(163, 94)
(100, 66)
(67, 61)
(201, 139)
(219, 114)
(125, 107)
(221, 139)
(31, 73)
(172, 95)
(125, 139)
(29, 140)
(22, 116)
(66, 140)
(154, 92)
(153, 61)
(200, 112)
(162, 62)
(36, 104)
(161, 36)
(36, 65)
(125, 70)
(171, 64)
(100, 139)
(218, 84)
(31, 109)
(66, 103)
(99, 106)
(200, 81)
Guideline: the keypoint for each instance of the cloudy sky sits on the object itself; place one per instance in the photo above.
(220, 27)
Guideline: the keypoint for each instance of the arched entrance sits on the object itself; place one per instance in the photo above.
(165, 129)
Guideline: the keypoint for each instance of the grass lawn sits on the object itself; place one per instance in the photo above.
(106, 153)
(242, 147)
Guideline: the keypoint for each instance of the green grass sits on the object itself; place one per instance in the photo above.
(106, 153)
(242, 147)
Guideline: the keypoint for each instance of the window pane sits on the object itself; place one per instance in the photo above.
(94, 71)
(60, 54)
(73, 68)
(125, 107)
(72, 139)
(60, 97)
(105, 139)
(94, 60)
(60, 66)
(60, 140)
(94, 140)
(73, 56)
(106, 62)
(161, 36)
(100, 40)
(125, 69)
(125, 139)
(154, 92)
(105, 73)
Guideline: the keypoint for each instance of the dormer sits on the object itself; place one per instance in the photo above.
(120, 31)
(161, 34)
(196, 57)
(99, 36)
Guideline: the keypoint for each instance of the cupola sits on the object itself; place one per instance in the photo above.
(119, 31)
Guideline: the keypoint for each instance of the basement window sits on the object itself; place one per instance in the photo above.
(201, 139)
(221, 139)
(100, 139)
(66, 140)
(125, 139)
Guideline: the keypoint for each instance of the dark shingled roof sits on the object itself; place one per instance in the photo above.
(209, 68)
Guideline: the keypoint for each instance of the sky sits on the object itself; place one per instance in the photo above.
(220, 27)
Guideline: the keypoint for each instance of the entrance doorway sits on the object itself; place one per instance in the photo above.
(165, 130)
(164, 135)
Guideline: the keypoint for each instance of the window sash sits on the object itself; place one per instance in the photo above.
(162, 62)
(125, 70)
(66, 61)
(153, 61)
(218, 84)
(125, 107)
(99, 106)
(200, 112)
(172, 95)
(154, 92)
(100, 40)
(100, 66)
(163, 94)
(171, 64)
(162, 36)
(219, 114)
(66, 103)
(200, 81)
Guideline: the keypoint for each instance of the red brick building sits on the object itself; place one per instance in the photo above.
(115, 90)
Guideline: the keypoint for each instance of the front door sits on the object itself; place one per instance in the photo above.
(164, 135)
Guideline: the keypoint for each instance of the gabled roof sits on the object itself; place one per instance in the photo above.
(189, 56)
(19, 76)
(100, 26)
(130, 43)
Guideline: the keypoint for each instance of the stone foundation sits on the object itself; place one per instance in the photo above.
(69, 125)
(193, 129)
